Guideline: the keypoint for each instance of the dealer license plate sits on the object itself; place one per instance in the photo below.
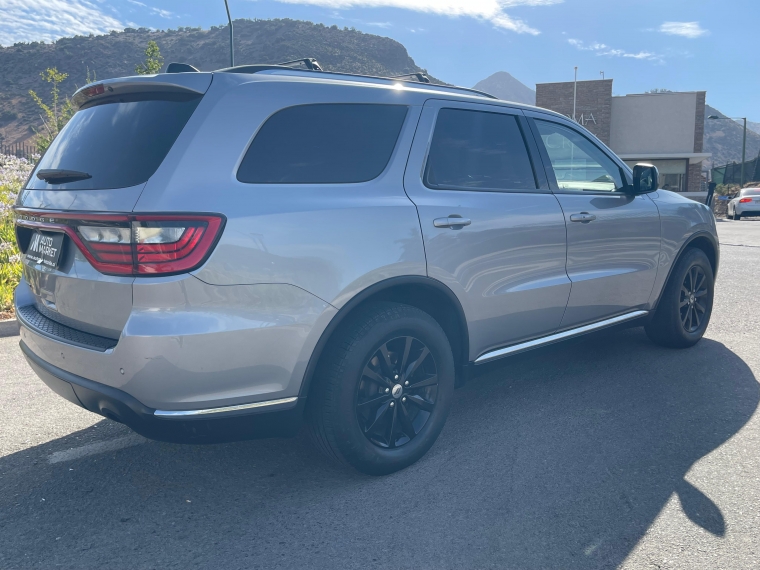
(45, 248)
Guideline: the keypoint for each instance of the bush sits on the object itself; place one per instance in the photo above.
(13, 173)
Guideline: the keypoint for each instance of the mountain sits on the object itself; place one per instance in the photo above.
(117, 53)
(506, 87)
(753, 126)
(724, 140)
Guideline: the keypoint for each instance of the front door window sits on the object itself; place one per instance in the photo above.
(578, 164)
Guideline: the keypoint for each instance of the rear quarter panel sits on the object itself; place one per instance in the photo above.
(681, 219)
(330, 240)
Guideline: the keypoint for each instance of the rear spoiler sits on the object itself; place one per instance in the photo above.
(184, 83)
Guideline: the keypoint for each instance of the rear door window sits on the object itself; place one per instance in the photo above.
(119, 142)
(478, 150)
(323, 144)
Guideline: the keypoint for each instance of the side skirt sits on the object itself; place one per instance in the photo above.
(557, 337)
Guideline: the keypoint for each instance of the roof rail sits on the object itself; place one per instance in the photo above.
(421, 77)
(181, 68)
(311, 64)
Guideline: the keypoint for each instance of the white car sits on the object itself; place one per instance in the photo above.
(747, 203)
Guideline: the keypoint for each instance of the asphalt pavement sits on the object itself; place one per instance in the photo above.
(604, 452)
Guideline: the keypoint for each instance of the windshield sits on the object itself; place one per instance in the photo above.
(751, 192)
(115, 144)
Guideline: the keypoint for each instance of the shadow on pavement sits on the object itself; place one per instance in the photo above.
(560, 458)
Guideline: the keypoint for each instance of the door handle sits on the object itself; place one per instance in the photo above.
(451, 222)
(583, 217)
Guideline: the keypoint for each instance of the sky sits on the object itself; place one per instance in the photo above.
(681, 45)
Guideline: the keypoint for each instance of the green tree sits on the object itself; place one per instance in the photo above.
(54, 117)
(153, 60)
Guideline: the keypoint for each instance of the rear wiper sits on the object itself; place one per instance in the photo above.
(59, 176)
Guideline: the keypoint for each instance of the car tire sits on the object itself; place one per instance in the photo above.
(369, 408)
(684, 310)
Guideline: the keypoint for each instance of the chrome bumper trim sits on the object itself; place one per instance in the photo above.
(522, 347)
(190, 413)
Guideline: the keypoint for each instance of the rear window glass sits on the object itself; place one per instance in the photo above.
(119, 143)
(476, 150)
(323, 144)
(751, 192)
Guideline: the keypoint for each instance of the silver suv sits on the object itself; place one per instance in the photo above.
(220, 256)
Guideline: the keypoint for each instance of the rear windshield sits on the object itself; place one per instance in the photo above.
(119, 142)
(751, 192)
(323, 144)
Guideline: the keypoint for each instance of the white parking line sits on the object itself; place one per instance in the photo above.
(739, 244)
(96, 448)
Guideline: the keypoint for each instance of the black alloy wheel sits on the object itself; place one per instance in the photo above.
(691, 304)
(397, 392)
(685, 306)
(383, 388)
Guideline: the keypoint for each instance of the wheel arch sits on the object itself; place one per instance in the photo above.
(700, 240)
(425, 293)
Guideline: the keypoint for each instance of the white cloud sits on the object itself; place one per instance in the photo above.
(489, 10)
(689, 30)
(162, 13)
(48, 20)
(158, 11)
(604, 50)
(582, 46)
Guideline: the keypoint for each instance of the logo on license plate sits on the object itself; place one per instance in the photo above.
(43, 245)
(45, 248)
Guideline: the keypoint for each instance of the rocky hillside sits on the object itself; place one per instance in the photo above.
(506, 87)
(116, 54)
(724, 140)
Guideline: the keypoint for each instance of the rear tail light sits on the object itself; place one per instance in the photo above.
(745, 200)
(118, 244)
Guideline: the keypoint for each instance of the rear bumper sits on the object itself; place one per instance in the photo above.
(275, 419)
(189, 346)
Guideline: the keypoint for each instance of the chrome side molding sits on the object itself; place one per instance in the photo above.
(191, 413)
(535, 343)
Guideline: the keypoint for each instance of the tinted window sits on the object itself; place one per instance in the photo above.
(323, 144)
(475, 150)
(578, 163)
(119, 143)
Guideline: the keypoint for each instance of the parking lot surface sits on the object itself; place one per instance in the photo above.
(605, 452)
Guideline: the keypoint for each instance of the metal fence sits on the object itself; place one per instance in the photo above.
(22, 150)
(732, 173)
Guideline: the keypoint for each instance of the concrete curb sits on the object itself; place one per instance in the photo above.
(9, 328)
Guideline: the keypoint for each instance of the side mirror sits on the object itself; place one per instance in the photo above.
(646, 178)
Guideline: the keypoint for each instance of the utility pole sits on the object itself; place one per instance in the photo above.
(602, 74)
(232, 45)
(744, 150)
(575, 91)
